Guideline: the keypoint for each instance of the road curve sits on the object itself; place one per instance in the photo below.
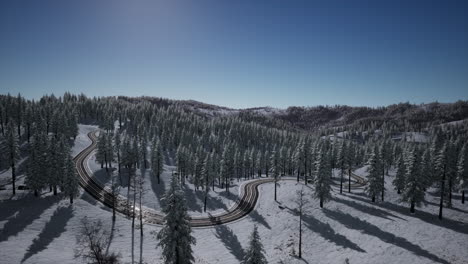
(241, 208)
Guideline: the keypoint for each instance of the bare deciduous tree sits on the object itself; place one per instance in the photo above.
(92, 241)
(301, 203)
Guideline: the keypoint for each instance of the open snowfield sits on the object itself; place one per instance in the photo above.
(349, 228)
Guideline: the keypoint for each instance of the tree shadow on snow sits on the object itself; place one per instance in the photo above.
(191, 199)
(259, 218)
(212, 203)
(436, 194)
(53, 229)
(368, 210)
(230, 240)
(228, 195)
(101, 176)
(327, 232)
(421, 215)
(158, 189)
(355, 223)
(450, 208)
(27, 212)
(85, 196)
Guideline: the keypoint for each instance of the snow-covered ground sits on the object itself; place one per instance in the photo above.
(349, 228)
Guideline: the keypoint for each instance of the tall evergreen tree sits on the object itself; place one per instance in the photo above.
(275, 169)
(374, 186)
(175, 237)
(12, 151)
(427, 174)
(70, 182)
(441, 162)
(399, 181)
(322, 179)
(101, 149)
(157, 159)
(414, 184)
(350, 161)
(255, 252)
(463, 170)
(341, 162)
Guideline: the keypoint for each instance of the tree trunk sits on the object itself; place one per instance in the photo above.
(349, 181)
(442, 194)
(29, 132)
(398, 191)
(298, 173)
(204, 202)
(118, 159)
(449, 205)
(300, 234)
(55, 189)
(134, 204)
(341, 181)
(463, 197)
(141, 216)
(383, 182)
(13, 177)
(275, 190)
(373, 198)
(321, 202)
(71, 199)
(36, 193)
(412, 207)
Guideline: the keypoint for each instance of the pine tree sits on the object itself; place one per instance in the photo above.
(451, 169)
(414, 184)
(37, 165)
(384, 160)
(58, 149)
(275, 169)
(199, 164)
(70, 183)
(462, 172)
(323, 174)
(12, 151)
(399, 181)
(350, 161)
(175, 237)
(117, 147)
(109, 150)
(301, 203)
(157, 164)
(374, 186)
(101, 149)
(255, 252)
(207, 175)
(427, 174)
(28, 120)
(341, 162)
(227, 165)
(143, 151)
(441, 171)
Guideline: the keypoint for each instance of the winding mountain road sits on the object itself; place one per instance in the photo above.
(244, 205)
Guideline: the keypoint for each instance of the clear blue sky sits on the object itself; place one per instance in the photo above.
(238, 53)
